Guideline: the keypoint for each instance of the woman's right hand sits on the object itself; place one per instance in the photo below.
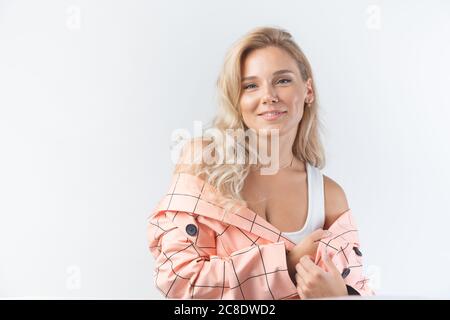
(308, 246)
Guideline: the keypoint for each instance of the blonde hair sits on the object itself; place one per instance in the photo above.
(228, 179)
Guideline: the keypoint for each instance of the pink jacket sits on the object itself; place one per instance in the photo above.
(201, 253)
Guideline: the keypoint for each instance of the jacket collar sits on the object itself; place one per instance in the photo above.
(192, 194)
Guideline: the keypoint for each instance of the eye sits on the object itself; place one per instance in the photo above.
(284, 81)
(249, 86)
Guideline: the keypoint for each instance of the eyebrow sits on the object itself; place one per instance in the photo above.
(275, 73)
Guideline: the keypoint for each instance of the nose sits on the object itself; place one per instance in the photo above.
(269, 97)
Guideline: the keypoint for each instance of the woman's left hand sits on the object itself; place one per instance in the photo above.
(314, 282)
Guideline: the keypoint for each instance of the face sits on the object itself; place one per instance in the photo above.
(273, 92)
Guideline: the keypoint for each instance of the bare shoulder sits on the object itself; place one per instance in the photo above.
(190, 156)
(335, 201)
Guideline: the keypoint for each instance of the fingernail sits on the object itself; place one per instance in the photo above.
(328, 233)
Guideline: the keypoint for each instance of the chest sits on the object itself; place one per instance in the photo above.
(282, 200)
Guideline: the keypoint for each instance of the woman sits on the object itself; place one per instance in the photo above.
(228, 231)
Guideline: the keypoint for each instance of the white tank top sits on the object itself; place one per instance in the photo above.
(316, 206)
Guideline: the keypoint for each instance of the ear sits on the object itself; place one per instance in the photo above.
(309, 99)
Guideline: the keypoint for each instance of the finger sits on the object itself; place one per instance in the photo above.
(299, 280)
(320, 234)
(326, 234)
(301, 271)
(307, 263)
(301, 294)
(317, 234)
(300, 286)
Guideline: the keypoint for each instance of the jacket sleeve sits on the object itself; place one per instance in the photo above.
(343, 247)
(187, 265)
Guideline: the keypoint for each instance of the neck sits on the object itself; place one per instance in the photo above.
(277, 153)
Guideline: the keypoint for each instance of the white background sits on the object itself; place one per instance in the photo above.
(90, 92)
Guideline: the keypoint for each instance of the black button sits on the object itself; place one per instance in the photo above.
(345, 272)
(358, 253)
(191, 229)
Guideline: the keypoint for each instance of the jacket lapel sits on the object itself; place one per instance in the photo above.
(191, 194)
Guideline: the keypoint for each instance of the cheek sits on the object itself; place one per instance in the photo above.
(249, 106)
(248, 103)
(295, 104)
(245, 109)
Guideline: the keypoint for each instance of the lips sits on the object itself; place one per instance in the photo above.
(271, 112)
(272, 115)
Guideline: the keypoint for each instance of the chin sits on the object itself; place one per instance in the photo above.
(277, 124)
(274, 126)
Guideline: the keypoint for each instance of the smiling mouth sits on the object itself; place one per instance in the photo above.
(272, 113)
